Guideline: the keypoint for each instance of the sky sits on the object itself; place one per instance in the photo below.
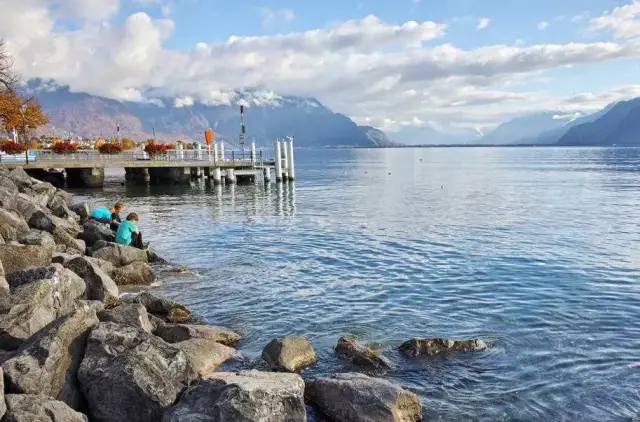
(451, 65)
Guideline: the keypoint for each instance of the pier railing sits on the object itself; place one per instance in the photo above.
(136, 155)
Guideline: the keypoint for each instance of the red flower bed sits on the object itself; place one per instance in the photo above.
(12, 148)
(155, 148)
(110, 148)
(64, 148)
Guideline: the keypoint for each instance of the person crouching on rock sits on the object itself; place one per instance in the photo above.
(108, 216)
(128, 233)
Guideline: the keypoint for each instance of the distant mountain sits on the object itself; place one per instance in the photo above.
(267, 117)
(411, 135)
(617, 124)
(526, 129)
(377, 137)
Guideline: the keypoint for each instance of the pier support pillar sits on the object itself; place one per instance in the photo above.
(284, 160)
(267, 175)
(253, 153)
(195, 172)
(246, 178)
(278, 160)
(217, 176)
(221, 155)
(87, 178)
(207, 172)
(290, 168)
(170, 175)
(137, 175)
(231, 176)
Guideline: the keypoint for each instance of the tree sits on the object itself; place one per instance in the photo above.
(16, 111)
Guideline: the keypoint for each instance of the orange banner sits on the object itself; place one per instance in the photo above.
(208, 136)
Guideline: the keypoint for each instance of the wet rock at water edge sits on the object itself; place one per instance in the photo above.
(432, 346)
(164, 309)
(349, 348)
(118, 255)
(130, 375)
(205, 356)
(289, 354)
(359, 398)
(99, 285)
(82, 210)
(39, 408)
(133, 315)
(246, 396)
(134, 274)
(94, 231)
(174, 333)
(47, 363)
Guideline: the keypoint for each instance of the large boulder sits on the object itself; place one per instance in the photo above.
(360, 398)
(8, 198)
(4, 285)
(349, 348)
(27, 206)
(7, 183)
(19, 257)
(130, 375)
(94, 231)
(247, 396)
(44, 191)
(289, 354)
(164, 309)
(120, 255)
(174, 333)
(39, 408)
(48, 362)
(82, 210)
(433, 346)
(38, 297)
(62, 237)
(134, 315)
(65, 196)
(134, 274)
(62, 258)
(99, 285)
(41, 220)
(67, 224)
(3, 405)
(205, 355)
(37, 237)
(107, 267)
(21, 178)
(12, 225)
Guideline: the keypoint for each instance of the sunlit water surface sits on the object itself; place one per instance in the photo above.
(534, 250)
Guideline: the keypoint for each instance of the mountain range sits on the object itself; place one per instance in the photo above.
(269, 116)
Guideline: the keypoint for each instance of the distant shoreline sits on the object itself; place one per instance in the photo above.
(488, 146)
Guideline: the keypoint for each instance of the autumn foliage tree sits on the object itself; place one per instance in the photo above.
(16, 110)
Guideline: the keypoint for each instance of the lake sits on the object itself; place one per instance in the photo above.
(534, 250)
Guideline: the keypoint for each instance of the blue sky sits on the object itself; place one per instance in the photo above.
(448, 64)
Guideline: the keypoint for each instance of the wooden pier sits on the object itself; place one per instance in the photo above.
(86, 168)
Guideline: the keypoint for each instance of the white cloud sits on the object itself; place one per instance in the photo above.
(483, 23)
(272, 17)
(580, 17)
(623, 21)
(367, 68)
(543, 25)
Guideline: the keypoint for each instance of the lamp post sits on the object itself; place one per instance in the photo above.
(23, 109)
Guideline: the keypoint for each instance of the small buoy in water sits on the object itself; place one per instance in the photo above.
(389, 174)
(441, 186)
(421, 160)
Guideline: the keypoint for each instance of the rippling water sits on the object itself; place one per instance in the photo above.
(535, 250)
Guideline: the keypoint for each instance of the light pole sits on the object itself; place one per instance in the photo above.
(23, 109)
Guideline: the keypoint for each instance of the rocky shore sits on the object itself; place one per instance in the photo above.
(73, 348)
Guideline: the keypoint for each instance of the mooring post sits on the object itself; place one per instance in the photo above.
(278, 160)
(217, 176)
(292, 175)
(285, 160)
(231, 176)
(222, 150)
(199, 151)
(267, 175)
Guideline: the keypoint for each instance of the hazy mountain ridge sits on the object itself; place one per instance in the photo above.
(378, 137)
(267, 118)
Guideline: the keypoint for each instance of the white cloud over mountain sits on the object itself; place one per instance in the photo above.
(384, 74)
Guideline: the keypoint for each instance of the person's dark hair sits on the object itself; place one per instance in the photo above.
(132, 217)
(118, 206)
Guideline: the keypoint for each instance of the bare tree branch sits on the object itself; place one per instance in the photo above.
(8, 78)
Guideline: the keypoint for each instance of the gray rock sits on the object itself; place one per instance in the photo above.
(153, 257)
(135, 274)
(96, 305)
(130, 375)
(3, 405)
(37, 237)
(8, 199)
(20, 178)
(359, 398)
(7, 183)
(134, 315)
(120, 255)
(26, 206)
(4, 287)
(48, 362)
(289, 354)
(12, 225)
(44, 190)
(65, 196)
(174, 333)
(82, 210)
(205, 355)
(60, 249)
(432, 346)
(107, 267)
(243, 397)
(19, 257)
(99, 285)
(62, 258)
(62, 237)
(164, 309)
(94, 231)
(39, 408)
(41, 220)
(349, 348)
(39, 296)
(67, 224)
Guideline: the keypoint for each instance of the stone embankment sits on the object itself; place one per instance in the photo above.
(73, 348)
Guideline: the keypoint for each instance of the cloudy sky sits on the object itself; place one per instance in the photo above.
(446, 64)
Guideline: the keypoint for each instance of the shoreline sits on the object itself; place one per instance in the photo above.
(61, 280)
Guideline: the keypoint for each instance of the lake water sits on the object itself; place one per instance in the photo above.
(532, 249)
